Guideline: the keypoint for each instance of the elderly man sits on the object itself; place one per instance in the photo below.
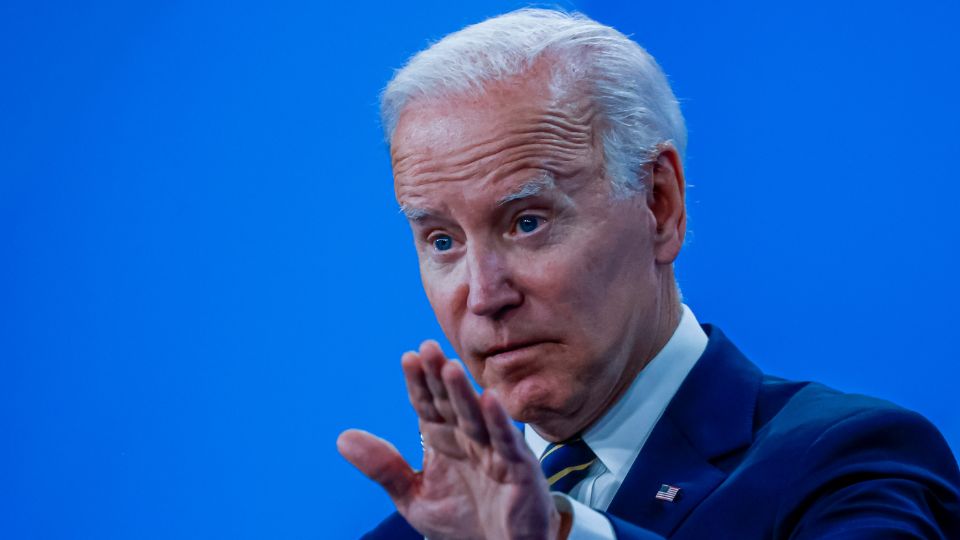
(539, 159)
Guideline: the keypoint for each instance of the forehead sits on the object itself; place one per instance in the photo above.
(515, 133)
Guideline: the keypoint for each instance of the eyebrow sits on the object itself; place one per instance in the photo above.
(414, 214)
(529, 189)
(525, 191)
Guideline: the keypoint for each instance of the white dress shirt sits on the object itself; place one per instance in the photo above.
(620, 434)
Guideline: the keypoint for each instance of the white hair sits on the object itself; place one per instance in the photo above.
(639, 110)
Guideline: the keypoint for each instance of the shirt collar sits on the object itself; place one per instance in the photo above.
(617, 437)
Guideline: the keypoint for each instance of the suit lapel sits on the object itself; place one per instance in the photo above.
(710, 416)
(666, 458)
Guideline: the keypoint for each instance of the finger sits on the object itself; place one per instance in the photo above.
(504, 437)
(442, 438)
(380, 461)
(465, 402)
(417, 390)
(433, 361)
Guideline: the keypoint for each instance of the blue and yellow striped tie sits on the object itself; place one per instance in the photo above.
(566, 463)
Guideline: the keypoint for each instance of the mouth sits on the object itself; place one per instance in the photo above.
(514, 357)
(510, 347)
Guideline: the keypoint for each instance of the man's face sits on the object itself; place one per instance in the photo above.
(546, 285)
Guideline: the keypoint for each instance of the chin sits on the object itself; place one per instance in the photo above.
(530, 401)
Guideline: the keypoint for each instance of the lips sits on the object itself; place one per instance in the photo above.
(493, 351)
(514, 358)
(510, 347)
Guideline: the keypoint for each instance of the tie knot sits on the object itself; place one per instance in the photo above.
(566, 463)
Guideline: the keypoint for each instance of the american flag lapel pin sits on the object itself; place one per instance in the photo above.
(668, 493)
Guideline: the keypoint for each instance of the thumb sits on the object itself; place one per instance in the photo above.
(380, 461)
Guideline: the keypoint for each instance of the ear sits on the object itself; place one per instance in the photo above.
(665, 198)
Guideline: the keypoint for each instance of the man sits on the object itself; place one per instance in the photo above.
(539, 158)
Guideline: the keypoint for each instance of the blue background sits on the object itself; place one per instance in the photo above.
(204, 277)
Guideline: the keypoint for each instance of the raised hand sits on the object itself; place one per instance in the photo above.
(479, 479)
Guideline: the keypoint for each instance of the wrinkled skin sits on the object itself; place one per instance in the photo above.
(553, 291)
(479, 479)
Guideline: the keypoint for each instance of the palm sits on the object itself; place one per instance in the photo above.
(478, 481)
(464, 498)
(442, 503)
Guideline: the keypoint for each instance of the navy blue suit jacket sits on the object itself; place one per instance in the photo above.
(756, 456)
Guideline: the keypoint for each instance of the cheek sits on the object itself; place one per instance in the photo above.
(592, 289)
(447, 299)
(581, 282)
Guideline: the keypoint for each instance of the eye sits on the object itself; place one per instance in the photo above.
(528, 224)
(442, 242)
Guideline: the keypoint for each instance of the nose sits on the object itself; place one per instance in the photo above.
(492, 292)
